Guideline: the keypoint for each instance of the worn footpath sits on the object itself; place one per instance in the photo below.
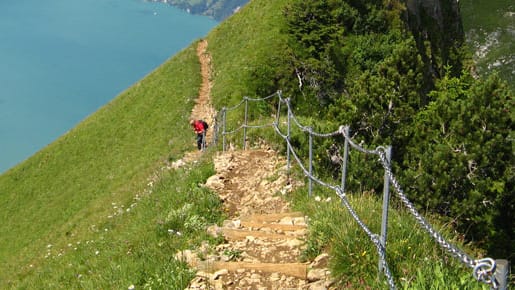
(263, 238)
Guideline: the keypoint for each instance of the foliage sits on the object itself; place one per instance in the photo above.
(368, 66)
(459, 160)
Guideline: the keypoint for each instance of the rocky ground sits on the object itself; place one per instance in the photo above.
(263, 239)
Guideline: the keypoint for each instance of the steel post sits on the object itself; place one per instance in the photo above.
(386, 201)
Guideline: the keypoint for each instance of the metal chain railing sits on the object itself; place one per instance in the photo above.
(373, 237)
(483, 269)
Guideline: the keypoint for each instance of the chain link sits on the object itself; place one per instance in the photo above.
(483, 269)
(373, 237)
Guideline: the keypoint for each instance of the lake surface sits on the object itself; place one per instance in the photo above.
(61, 60)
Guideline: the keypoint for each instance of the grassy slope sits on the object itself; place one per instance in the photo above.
(249, 41)
(64, 194)
(71, 184)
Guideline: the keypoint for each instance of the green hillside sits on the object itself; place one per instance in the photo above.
(93, 209)
(55, 196)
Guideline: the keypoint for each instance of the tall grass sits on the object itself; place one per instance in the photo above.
(414, 258)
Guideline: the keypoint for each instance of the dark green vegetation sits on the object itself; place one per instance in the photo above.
(359, 65)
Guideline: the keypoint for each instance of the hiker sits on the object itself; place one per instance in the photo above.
(200, 128)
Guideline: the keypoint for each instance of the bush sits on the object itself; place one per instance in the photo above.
(459, 160)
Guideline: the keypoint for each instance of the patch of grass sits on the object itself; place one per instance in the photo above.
(137, 247)
(414, 258)
(242, 47)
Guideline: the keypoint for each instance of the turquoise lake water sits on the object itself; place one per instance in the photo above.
(61, 60)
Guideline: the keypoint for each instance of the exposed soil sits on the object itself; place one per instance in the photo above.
(264, 239)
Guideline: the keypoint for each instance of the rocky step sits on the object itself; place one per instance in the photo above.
(235, 275)
(275, 227)
(281, 218)
(256, 250)
(241, 234)
(298, 270)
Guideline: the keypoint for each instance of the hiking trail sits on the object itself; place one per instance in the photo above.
(263, 238)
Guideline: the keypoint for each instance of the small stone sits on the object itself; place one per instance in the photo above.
(293, 243)
(275, 277)
(318, 285)
(317, 274)
(214, 231)
(219, 273)
(320, 261)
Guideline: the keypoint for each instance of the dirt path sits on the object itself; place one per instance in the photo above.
(203, 108)
(263, 237)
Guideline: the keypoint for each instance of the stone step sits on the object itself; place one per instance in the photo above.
(271, 217)
(282, 227)
(237, 234)
(298, 270)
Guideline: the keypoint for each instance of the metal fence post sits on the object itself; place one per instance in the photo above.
(502, 273)
(215, 130)
(288, 138)
(345, 157)
(204, 143)
(245, 123)
(278, 113)
(386, 201)
(224, 113)
(310, 160)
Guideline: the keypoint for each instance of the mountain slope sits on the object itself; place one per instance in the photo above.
(93, 210)
(56, 196)
(71, 183)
